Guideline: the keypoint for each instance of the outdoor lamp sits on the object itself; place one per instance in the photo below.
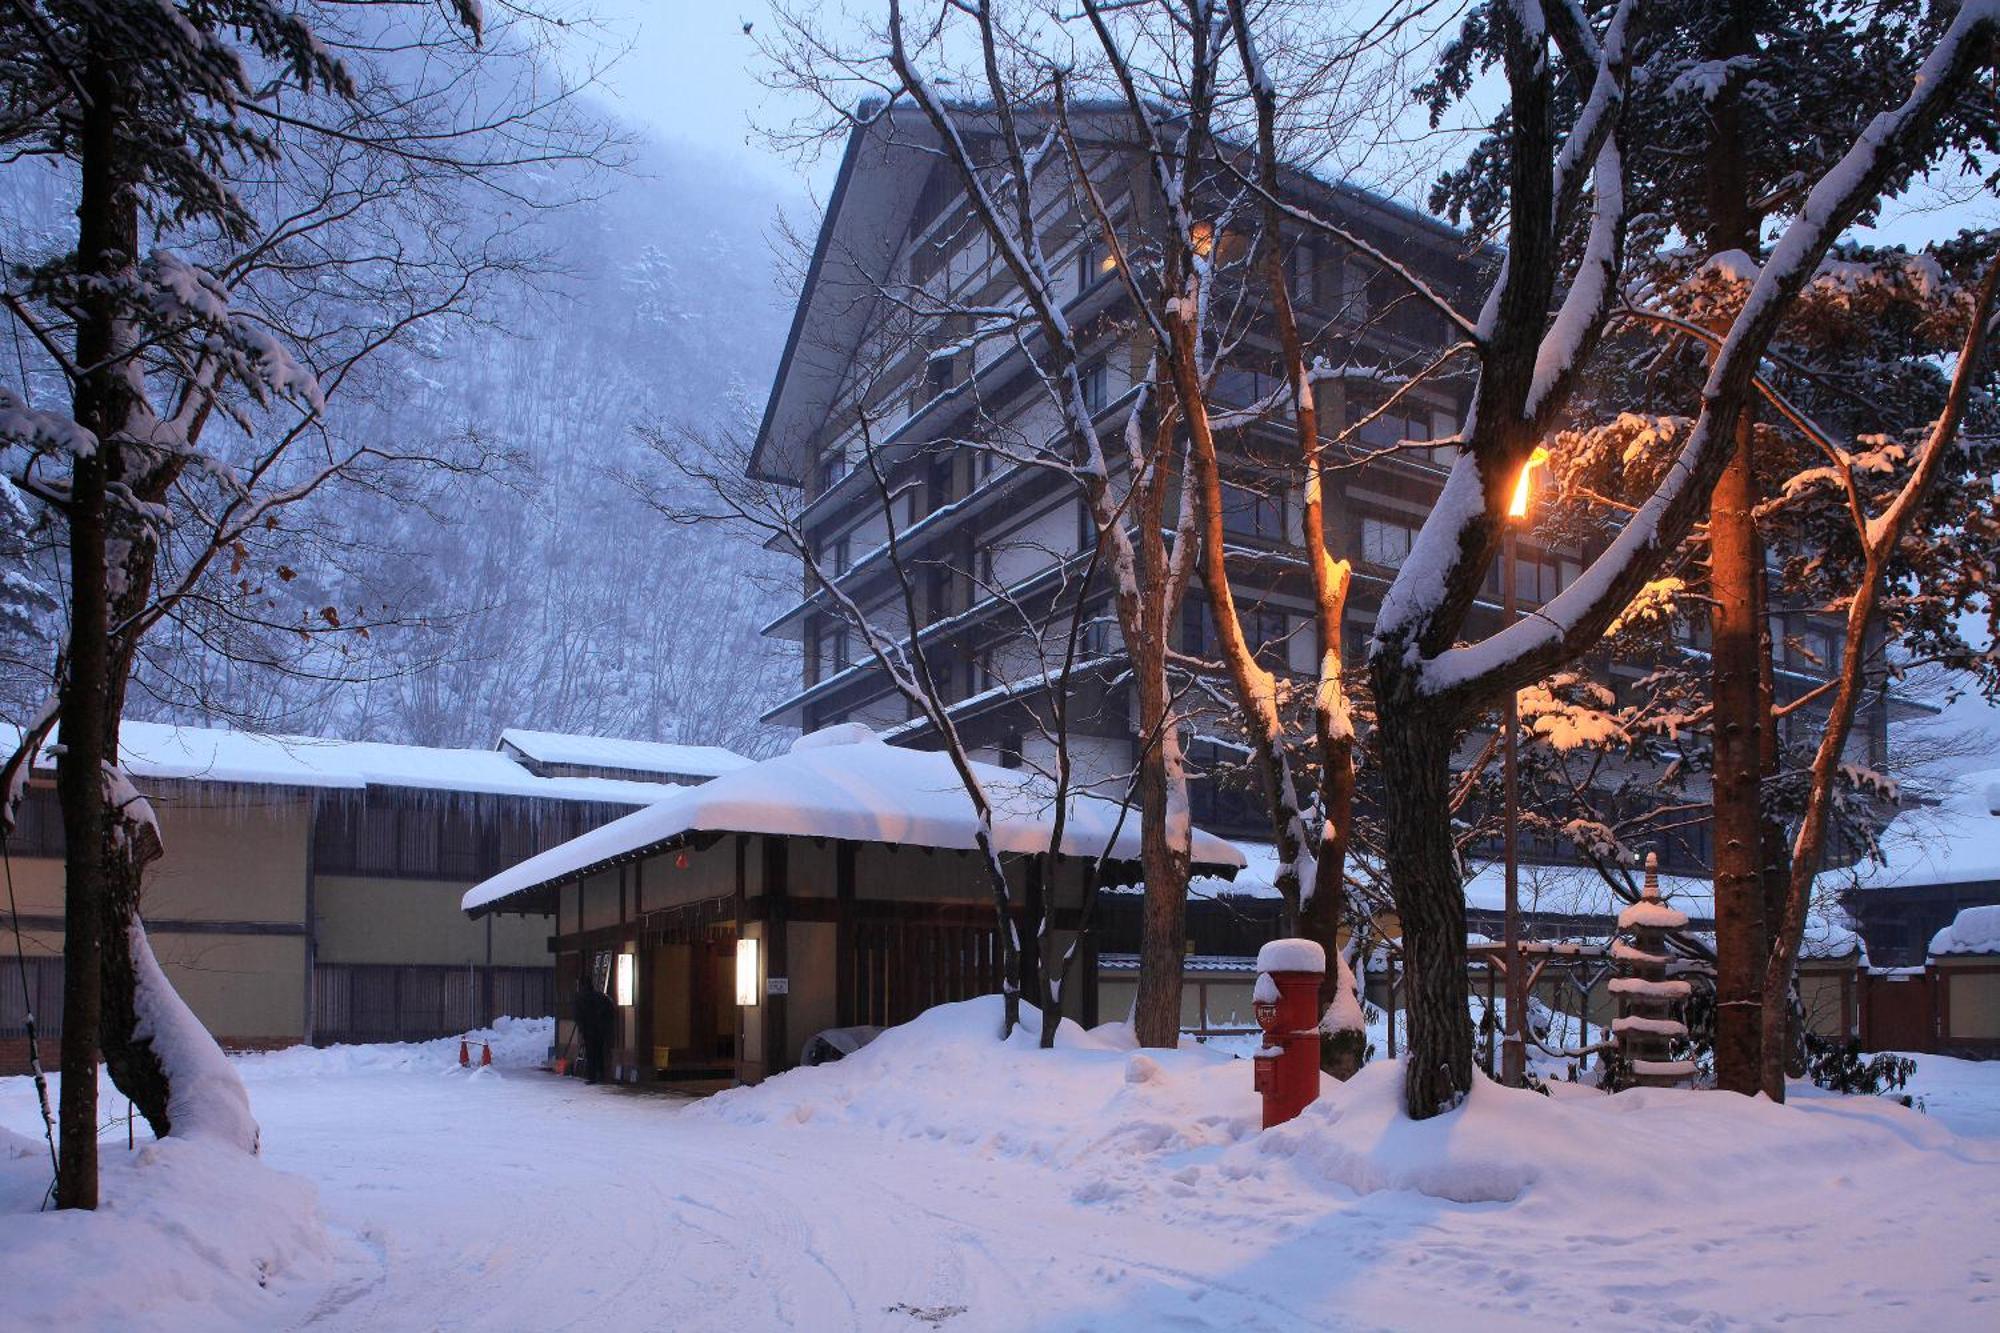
(746, 972)
(625, 983)
(1524, 485)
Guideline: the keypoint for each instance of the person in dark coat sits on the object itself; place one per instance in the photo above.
(594, 1016)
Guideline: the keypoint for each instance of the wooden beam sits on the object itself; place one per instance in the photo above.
(777, 926)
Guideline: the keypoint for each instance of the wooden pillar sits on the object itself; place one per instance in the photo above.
(844, 854)
(742, 841)
(1033, 907)
(777, 1053)
(1389, 1009)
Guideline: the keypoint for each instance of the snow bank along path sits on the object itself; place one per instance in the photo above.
(939, 1179)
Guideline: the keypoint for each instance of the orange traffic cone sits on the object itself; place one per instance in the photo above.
(485, 1054)
(464, 1055)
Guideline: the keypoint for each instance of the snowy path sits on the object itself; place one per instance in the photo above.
(952, 1183)
(477, 1201)
(523, 1201)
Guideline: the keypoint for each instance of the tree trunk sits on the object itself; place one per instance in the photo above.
(1735, 555)
(1417, 737)
(1163, 853)
(1739, 715)
(103, 403)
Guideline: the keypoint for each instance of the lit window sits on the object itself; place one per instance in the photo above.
(1094, 263)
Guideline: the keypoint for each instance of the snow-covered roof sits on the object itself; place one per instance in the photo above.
(667, 757)
(161, 751)
(1974, 930)
(1956, 841)
(1553, 890)
(1227, 964)
(846, 782)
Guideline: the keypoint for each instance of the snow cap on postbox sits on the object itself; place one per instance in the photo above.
(1291, 955)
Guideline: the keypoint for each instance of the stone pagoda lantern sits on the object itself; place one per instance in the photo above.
(1648, 1019)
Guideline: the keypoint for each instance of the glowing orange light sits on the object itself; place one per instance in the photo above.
(1203, 237)
(1524, 485)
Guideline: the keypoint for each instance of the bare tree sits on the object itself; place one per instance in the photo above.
(902, 636)
(1879, 534)
(195, 411)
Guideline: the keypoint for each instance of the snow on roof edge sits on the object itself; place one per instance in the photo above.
(636, 756)
(171, 752)
(845, 783)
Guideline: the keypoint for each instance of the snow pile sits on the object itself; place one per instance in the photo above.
(517, 1043)
(945, 1077)
(1573, 1152)
(1973, 930)
(189, 1233)
(205, 1098)
(1139, 1130)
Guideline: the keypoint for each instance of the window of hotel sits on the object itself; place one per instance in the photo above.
(1252, 513)
(1096, 379)
(839, 553)
(1385, 542)
(937, 191)
(1304, 272)
(1094, 263)
(830, 650)
(832, 466)
(1820, 648)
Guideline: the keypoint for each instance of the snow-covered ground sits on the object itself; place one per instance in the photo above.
(937, 1179)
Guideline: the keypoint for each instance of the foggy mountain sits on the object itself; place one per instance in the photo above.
(540, 592)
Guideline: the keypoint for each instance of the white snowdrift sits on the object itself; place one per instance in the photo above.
(189, 1233)
(205, 1099)
(1165, 1126)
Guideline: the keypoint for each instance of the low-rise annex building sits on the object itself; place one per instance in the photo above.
(838, 885)
(309, 889)
(1935, 861)
(1965, 961)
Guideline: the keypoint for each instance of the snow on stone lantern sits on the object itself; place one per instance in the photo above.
(1647, 1023)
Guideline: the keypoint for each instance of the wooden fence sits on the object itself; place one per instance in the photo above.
(366, 1002)
(45, 983)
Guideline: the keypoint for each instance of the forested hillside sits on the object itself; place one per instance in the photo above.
(538, 592)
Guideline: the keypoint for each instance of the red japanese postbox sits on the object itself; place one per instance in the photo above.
(1287, 1006)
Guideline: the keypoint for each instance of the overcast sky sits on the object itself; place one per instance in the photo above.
(690, 73)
